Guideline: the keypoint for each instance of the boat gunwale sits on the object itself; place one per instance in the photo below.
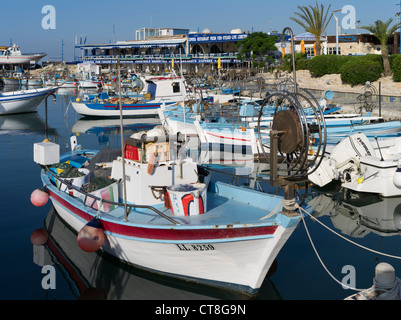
(168, 233)
(22, 94)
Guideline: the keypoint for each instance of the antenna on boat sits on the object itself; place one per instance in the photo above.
(379, 148)
(122, 141)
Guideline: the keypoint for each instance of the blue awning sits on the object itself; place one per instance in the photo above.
(307, 36)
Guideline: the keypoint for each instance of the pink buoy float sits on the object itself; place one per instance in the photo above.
(39, 197)
(91, 236)
(39, 237)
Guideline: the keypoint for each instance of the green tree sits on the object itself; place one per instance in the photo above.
(313, 19)
(257, 47)
(382, 31)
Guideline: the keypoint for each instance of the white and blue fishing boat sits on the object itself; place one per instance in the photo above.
(382, 129)
(23, 100)
(31, 82)
(177, 221)
(111, 109)
(160, 91)
(62, 83)
(219, 128)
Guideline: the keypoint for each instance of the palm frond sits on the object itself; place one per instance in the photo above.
(381, 29)
(313, 19)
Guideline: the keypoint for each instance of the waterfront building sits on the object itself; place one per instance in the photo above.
(348, 44)
(163, 47)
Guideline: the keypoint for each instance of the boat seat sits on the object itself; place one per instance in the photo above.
(392, 150)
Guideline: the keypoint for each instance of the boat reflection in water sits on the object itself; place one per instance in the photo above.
(28, 123)
(103, 128)
(100, 276)
(358, 214)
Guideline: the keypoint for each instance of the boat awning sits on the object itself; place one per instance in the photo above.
(307, 36)
(170, 43)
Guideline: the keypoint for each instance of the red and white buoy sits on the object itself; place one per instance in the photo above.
(39, 237)
(91, 236)
(39, 197)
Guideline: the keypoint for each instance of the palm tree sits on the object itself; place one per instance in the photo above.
(314, 19)
(382, 32)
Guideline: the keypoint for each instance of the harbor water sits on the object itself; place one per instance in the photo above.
(299, 273)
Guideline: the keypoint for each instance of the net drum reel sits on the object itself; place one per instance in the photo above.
(291, 153)
(368, 97)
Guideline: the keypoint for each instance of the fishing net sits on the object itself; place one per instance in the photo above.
(63, 165)
(97, 183)
(71, 172)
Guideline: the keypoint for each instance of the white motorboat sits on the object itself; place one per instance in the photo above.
(363, 165)
(13, 55)
(24, 100)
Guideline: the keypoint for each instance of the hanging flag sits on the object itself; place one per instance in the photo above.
(219, 63)
(172, 63)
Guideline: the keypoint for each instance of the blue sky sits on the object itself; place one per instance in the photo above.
(21, 20)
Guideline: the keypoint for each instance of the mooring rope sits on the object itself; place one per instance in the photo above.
(357, 244)
(272, 212)
(336, 233)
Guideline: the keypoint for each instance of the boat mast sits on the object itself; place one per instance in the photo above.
(122, 141)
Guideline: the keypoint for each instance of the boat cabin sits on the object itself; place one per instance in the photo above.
(14, 50)
(151, 165)
(165, 87)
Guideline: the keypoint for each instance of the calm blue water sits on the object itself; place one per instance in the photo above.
(299, 274)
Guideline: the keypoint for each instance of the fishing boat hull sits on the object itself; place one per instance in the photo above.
(219, 136)
(213, 136)
(11, 81)
(87, 84)
(112, 110)
(21, 59)
(377, 177)
(237, 259)
(23, 101)
(62, 83)
(31, 83)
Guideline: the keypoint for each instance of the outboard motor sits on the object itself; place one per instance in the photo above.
(343, 162)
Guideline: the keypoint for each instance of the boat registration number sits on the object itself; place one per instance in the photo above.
(195, 247)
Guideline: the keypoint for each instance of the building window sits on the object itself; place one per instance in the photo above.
(310, 52)
(176, 87)
(332, 50)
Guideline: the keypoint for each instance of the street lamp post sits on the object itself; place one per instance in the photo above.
(397, 19)
(398, 16)
(336, 28)
(292, 53)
